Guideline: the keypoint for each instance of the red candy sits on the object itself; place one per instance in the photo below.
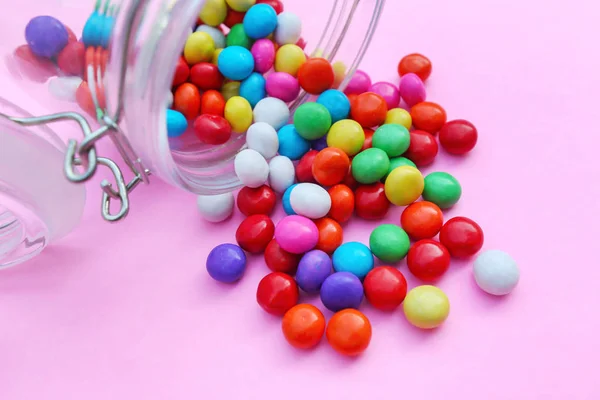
(71, 35)
(417, 64)
(276, 4)
(255, 233)
(279, 260)
(35, 68)
(206, 76)
(186, 100)
(369, 110)
(342, 203)
(428, 116)
(385, 288)
(253, 201)
(233, 18)
(212, 129)
(368, 139)
(330, 166)
(304, 167)
(316, 75)
(331, 235)
(71, 59)
(350, 181)
(422, 149)
(458, 137)
(462, 237)
(371, 202)
(182, 72)
(277, 293)
(303, 326)
(422, 220)
(213, 103)
(428, 260)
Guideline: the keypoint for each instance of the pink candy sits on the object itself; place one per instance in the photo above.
(412, 89)
(263, 51)
(282, 86)
(296, 234)
(359, 83)
(388, 91)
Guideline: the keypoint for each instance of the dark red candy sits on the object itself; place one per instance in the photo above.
(371, 202)
(182, 72)
(422, 149)
(279, 260)
(233, 18)
(458, 137)
(277, 293)
(462, 236)
(71, 59)
(206, 76)
(276, 4)
(349, 180)
(260, 200)
(212, 129)
(304, 167)
(255, 233)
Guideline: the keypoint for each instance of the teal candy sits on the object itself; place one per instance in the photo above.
(353, 257)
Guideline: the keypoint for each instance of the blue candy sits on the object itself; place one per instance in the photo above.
(176, 123)
(260, 21)
(46, 36)
(253, 88)
(93, 30)
(319, 144)
(291, 144)
(235, 63)
(336, 102)
(106, 32)
(353, 257)
(285, 200)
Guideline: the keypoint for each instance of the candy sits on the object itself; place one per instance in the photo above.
(369, 110)
(399, 162)
(260, 21)
(262, 137)
(368, 139)
(314, 267)
(296, 234)
(277, 293)
(339, 73)
(279, 260)
(388, 91)
(236, 63)
(310, 200)
(336, 103)
(215, 57)
(353, 257)
(304, 167)
(289, 58)
(370, 165)
(233, 18)
(422, 220)
(360, 83)
(319, 144)
(291, 144)
(289, 28)
(346, 135)
(206, 76)
(240, 5)
(186, 100)
(263, 51)
(349, 332)
(412, 89)
(312, 120)
(331, 235)
(422, 149)
(199, 47)
(404, 185)
(260, 200)
(272, 111)
(398, 116)
(32, 67)
(341, 290)
(458, 136)
(371, 201)
(303, 326)
(238, 113)
(389, 243)
(230, 89)
(283, 86)
(285, 200)
(281, 173)
(276, 4)
(426, 307)
(442, 189)
(428, 260)
(215, 208)
(213, 103)
(176, 123)
(496, 272)
(415, 63)
(213, 12)
(254, 233)
(342, 203)
(226, 263)
(92, 30)
(65, 88)
(385, 288)
(330, 166)
(237, 37)
(253, 88)
(215, 33)
(71, 59)
(46, 36)
(212, 129)
(251, 168)
(316, 76)
(462, 237)
(428, 116)
(394, 139)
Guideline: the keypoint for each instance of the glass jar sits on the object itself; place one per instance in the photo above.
(127, 72)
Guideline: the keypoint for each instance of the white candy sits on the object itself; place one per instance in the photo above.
(251, 168)
(262, 137)
(273, 111)
(216, 208)
(289, 28)
(496, 272)
(310, 200)
(216, 34)
(281, 173)
(64, 87)
(169, 99)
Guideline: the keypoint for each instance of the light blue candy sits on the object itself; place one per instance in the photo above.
(176, 123)
(260, 21)
(336, 102)
(353, 257)
(285, 200)
(253, 88)
(291, 144)
(106, 33)
(235, 63)
(92, 30)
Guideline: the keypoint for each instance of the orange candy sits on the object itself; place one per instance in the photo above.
(212, 103)
(368, 139)
(303, 326)
(369, 110)
(186, 100)
(349, 332)
(331, 235)
(83, 97)
(417, 64)
(330, 166)
(316, 76)
(422, 220)
(428, 116)
(342, 203)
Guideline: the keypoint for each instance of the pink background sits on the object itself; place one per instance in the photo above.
(128, 311)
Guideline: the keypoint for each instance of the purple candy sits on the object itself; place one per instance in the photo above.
(46, 36)
(341, 290)
(263, 51)
(359, 83)
(283, 86)
(319, 144)
(226, 263)
(412, 89)
(314, 267)
(388, 91)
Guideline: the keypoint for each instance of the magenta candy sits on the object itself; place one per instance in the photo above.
(296, 234)
(412, 89)
(263, 51)
(359, 83)
(388, 91)
(283, 86)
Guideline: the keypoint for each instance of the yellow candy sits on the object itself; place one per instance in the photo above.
(241, 5)
(426, 307)
(238, 113)
(346, 135)
(339, 73)
(404, 185)
(289, 58)
(230, 89)
(214, 12)
(199, 47)
(399, 116)
(215, 58)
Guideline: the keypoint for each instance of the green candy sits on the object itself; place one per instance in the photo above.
(394, 139)
(399, 162)
(370, 165)
(389, 243)
(442, 189)
(312, 121)
(237, 37)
